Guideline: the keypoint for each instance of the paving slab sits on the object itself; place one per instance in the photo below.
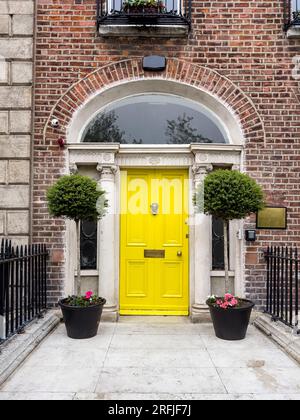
(61, 340)
(160, 329)
(158, 380)
(155, 358)
(250, 358)
(49, 356)
(252, 341)
(53, 379)
(157, 341)
(261, 380)
(150, 358)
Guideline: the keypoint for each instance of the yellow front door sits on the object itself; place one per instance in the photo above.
(154, 242)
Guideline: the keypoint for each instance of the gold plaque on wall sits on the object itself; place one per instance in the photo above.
(272, 218)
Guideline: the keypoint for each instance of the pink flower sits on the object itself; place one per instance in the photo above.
(234, 302)
(228, 296)
(89, 294)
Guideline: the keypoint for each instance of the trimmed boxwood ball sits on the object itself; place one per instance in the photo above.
(229, 195)
(78, 198)
(75, 197)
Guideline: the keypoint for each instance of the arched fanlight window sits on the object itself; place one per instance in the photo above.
(155, 119)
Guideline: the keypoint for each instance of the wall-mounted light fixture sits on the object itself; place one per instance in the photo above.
(154, 63)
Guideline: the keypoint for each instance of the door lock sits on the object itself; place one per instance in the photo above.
(179, 254)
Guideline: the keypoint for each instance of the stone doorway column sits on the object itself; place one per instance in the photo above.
(107, 253)
(202, 253)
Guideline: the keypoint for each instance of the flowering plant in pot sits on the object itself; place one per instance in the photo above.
(229, 195)
(144, 7)
(78, 198)
(82, 314)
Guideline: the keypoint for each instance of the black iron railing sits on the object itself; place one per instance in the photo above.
(165, 12)
(291, 13)
(283, 285)
(23, 286)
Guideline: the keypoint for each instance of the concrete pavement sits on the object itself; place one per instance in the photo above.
(155, 358)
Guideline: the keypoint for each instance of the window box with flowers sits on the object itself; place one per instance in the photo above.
(147, 18)
(150, 9)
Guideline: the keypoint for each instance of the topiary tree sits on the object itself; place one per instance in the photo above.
(229, 195)
(77, 198)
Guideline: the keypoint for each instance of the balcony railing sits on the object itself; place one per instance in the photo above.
(165, 13)
(292, 13)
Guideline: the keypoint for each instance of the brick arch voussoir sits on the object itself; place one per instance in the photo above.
(201, 77)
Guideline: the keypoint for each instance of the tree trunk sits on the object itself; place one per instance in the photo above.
(78, 277)
(227, 284)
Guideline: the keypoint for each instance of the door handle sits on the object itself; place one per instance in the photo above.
(179, 254)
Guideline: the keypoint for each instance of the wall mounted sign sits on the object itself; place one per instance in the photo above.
(272, 218)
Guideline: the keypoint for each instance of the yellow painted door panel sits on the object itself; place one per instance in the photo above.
(154, 246)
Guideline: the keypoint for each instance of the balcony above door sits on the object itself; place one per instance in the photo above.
(292, 18)
(144, 18)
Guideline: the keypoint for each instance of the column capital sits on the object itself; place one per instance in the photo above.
(203, 170)
(73, 169)
(200, 172)
(106, 171)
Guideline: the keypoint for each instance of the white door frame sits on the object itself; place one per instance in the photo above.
(106, 160)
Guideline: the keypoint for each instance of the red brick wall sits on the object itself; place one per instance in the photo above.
(242, 41)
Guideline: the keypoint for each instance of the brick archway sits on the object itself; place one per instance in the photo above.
(208, 80)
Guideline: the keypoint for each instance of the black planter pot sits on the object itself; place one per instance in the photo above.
(81, 323)
(231, 324)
